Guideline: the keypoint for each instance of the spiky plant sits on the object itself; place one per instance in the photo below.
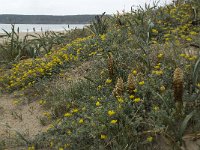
(119, 88)
(178, 88)
(99, 25)
(130, 84)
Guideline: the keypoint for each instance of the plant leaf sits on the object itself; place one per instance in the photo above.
(196, 70)
(185, 123)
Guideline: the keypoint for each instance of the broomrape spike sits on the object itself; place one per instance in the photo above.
(119, 88)
(178, 88)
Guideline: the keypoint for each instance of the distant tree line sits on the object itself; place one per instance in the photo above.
(46, 19)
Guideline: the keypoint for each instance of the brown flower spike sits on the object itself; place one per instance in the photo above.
(178, 88)
(119, 87)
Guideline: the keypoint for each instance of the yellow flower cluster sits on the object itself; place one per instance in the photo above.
(188, 57)
(158, 71)
(27, 72)
(111, 112)
(178, 26)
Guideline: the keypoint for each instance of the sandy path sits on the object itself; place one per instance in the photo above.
(22, 119)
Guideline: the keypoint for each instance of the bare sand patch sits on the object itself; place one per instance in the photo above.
(23, 34)
(23, 119)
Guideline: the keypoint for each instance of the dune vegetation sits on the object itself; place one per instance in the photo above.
(127, 81)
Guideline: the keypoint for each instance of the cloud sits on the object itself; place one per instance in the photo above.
(67, 7)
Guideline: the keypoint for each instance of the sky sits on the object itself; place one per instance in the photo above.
(69, 7)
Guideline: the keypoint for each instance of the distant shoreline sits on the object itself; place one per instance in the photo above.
(45, 19)
(40, 27)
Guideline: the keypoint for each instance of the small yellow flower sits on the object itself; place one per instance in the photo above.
(31, 148)
(182, 55)
(198, 85)
(75, 110)
(81, 121)
(16, 102)
(134, 72)
(187, 56)
(162, 88)
(137, 100)
(157, 67)
(166, 39)
(192, 58)
(111, 112)
(99, 87)
(98, 104)
(42, 102)
(160, 55)
(149, 139)
(113, 121)
(100, 98)
(103, 136)
(120, 99)
(61, 148)
(154, 42)
(188, 39)
(154, 31)
(51, 144)
(135, 90)
(193, 33)
(141, 83)
(69, 132)
(47, 114)
(92, 98)
(108, 81)
(103, 37)
(167, 35)
(155, 108)
(93, 53)
(159, 72)
(67, 114)
(131, 96)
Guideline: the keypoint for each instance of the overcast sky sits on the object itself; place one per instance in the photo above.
(68, 7)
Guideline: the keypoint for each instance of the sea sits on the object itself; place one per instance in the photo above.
(40, 27)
